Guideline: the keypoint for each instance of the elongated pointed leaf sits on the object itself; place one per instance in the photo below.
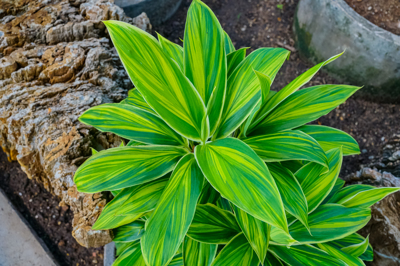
(158, 78)
(290, 88)
(198, 254)
(343, 256)
(213, 225)
(358, 249)
(229, 47)
(330, 138)
(237, 252)
(123, 167)
(243, 90)
(122, 246)
(304, 106)
(351, 240)
(287, 145)
(205, 58)
(338, 186)
(131, 204)
(131, 123)
(173, 50)
(330, 222)
(271, 260)
(234, 59)
(291, 192)
(165, 230)
(305, 255)
(265, 84)
(256, 231)
(208, 195)
(131, 256)
(177, 260)
(317, 185)
(236, 172)
(129, 232)
(361, 196)
(280, 237)
(136, 99)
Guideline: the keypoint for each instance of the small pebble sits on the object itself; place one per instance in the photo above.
(364, 150)
(371, 157)
(369, 8)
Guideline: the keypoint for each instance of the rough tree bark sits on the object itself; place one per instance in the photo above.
(56, 61)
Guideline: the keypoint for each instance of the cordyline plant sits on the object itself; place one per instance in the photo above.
(221, 170)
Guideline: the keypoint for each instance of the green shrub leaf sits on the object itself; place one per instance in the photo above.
(136, 99)
(129, 232)
(236, 172)
(173, 50)
(123, 167)
(237, 252)
(213, 225)
(132, 256)
(256, 231)
(198, 254)
(173, 214)
(358, 249)
(131, 123)
(343, 256)
(280, 237)
(234, 59)
(158, 78)
(229, 47)
(352, 240)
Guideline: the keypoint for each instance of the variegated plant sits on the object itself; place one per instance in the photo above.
(221, 170)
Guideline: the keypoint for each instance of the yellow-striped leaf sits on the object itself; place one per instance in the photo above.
(271, 260)
(122, 246)
(198, 254)
(123, 167)
(302, 107)
(171, 218)
(305, 255)
(131, 204)
(291, 192)
(290, 88)
(136, 99)
(243, 89)
(234, 59)
(354, 239)
(173, 50)
(129, 232)
(213, 225)
(361, 196)
(315, 183)
(343, 256)
(205, 58)
(280, 237)
(208, 195)
(265, 84)
(256, 231)
(330, 138)
(330, 222)
(229, 47)
(358, 249)
(131, 123)
(287, 145)
(338, 186)
(177, 260)
(237, 252)
(131, 256)
(158, 78)
(236, 172)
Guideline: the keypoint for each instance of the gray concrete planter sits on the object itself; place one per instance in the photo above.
(372, 58)
(157, 10)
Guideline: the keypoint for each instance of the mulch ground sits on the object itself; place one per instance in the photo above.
(250, 23)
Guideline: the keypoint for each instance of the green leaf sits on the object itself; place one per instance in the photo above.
(122, 246)
(265, 84)
(317, 185)
(158, 78)
(305, 255)
(330, 222)
(361, 196)
(135, 99)
(205, 58)
(271, 260)
(330, 138)
(287, 145)
(291, 192)
(343, 256)
(131, 123)
(213, 225)
(338, 185)
(208, 195)
(173, 50)
(131, 256)
(123, 167)
(243, 90)
(234, 59)
(229, 47)
(198, 254)
(256, 232)
(302, 107)
(167, 227)
(280, 237)
(290, 89)
(134, 143)
(177, 260)
(131, 204)
(237, 252)
(358, 249)
(351, 240)
(129, 232)
(236, 172)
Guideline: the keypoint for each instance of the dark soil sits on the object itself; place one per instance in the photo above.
(383, 13)
(51, 222)
(262, 23)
